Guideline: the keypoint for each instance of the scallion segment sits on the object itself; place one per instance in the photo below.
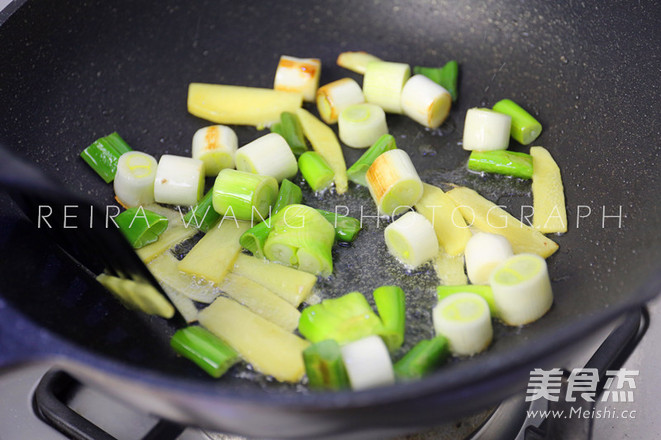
(302, 238)
(268, 155)
(289, 194)
(344, 319)
(525, 128)
(141, 226)
(315, 170)
(336, 96)
(215, 146)
(422, 359)
(522, 289)
(205, 349)
(179, 180)
(243, 195)
(394, 182)
(357, 171)
(486, 130)
(346, 228)
(411, 239)
(425, 102)
(324, 366)
(484, 291)
(103, 155)
(134, 179)
(360, 125)
(391, 305)
(464, 319)
(446, 76)
(383, 83)
(510, 163)
(291, 129)
(202, 216)
(298, 75)
(368, 363)
(255, 238)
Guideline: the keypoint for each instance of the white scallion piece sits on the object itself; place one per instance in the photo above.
(134, 180)
(368, 363)
(411, 239)
(179, 180)
(383, 83)
(360, 125)
(215, 146)
(336, 96)
(393, 182)
(483, 253)
(298, 75)
(522, 289)
(268, 155)
(464, 319)
(425, 102)
(486, 130)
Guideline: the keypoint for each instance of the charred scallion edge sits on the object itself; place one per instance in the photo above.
(289, 194)
(315, 170)
(141, 226)
(356, 172)
(346, 228)
(103, 155)
(290, 128)
(255, 238)
(208, 351)
(483, 290)
(422, 359)
(202, 216)
(391, 305)
(510, 163)
(446, 76)
(525, 128)
(324, 366)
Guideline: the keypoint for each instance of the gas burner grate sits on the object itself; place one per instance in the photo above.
(51, 404)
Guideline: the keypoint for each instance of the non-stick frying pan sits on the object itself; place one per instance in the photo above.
(72, 71)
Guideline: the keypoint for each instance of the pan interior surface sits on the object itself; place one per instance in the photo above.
(73, 72)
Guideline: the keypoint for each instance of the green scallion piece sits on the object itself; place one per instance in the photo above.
(205, 349)
(243, 195)
(346, 228)
(422, 359)
(303, 238)
(141, 226)
(511, 163)
(357, 171)
(524, 128)
(289, 194)
(391, 305)
(203, 216)
(103, 155)
(291, 129)
(254, 238)
(482, 290)
(344, 319)
(446, 76)
(324, 366)
(315, 170)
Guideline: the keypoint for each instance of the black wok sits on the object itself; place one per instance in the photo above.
(72, 71)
